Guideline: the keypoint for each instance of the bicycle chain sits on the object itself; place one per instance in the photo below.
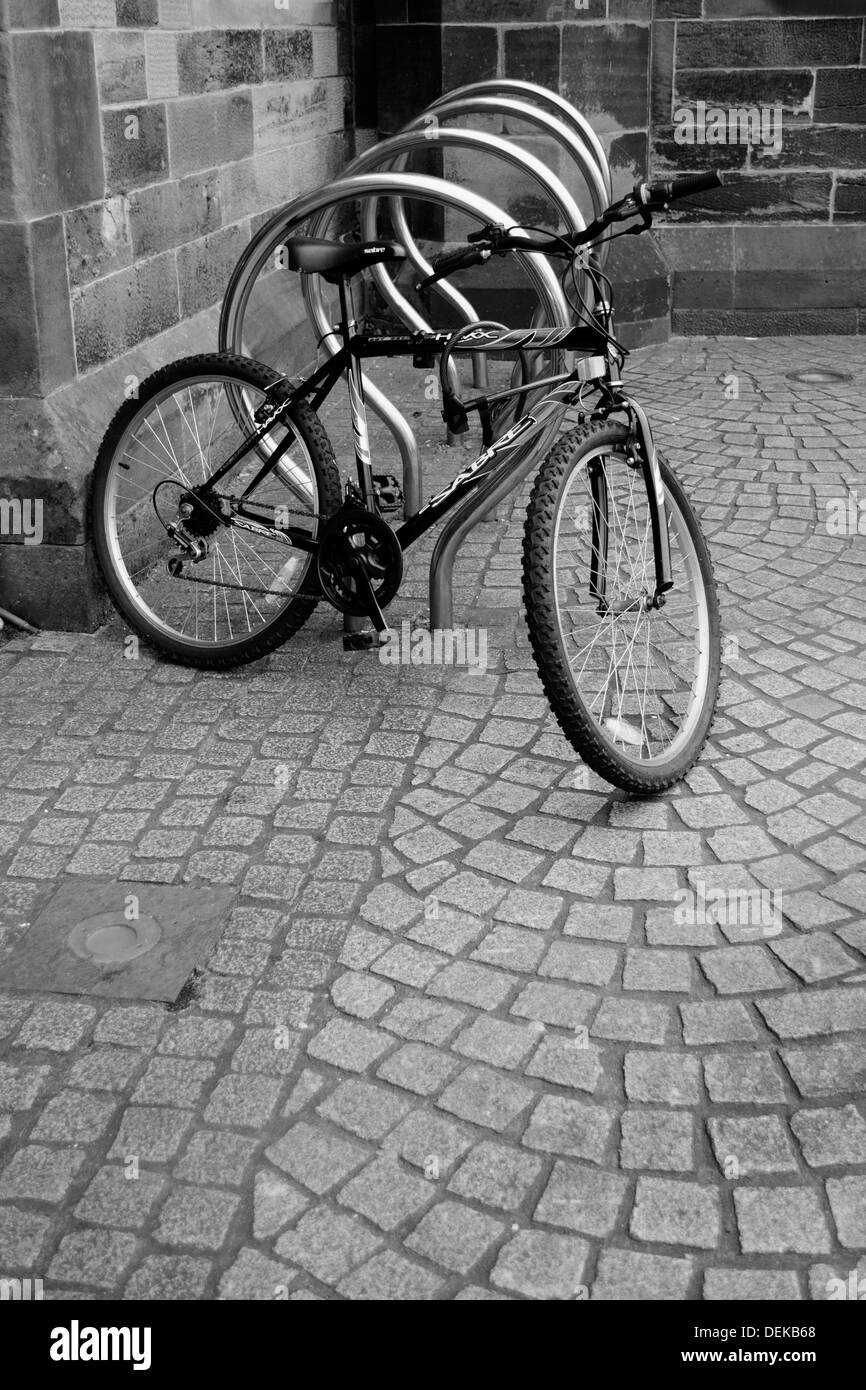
(245, 588)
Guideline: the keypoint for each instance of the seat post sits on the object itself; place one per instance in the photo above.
(357, 405)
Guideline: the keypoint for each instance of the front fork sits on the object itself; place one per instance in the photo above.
(640, 453)
(642, 450)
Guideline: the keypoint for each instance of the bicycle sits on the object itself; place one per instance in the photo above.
(620, 600)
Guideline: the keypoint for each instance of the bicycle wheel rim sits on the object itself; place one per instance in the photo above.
(286, 578)
(632, 702)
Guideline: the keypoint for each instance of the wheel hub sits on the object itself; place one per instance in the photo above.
(200, 513)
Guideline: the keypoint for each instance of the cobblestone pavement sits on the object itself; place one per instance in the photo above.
(461, 1037)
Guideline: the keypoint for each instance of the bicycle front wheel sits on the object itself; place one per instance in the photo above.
(633, 688)
(249, 590)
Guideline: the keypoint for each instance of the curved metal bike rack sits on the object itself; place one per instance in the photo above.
(531, 91)
(395, 153)
(364, 181)
(576, 137)
(421, 186)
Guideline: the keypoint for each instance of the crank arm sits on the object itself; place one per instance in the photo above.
(365, 589)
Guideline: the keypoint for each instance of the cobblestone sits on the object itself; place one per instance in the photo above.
(458, 1038)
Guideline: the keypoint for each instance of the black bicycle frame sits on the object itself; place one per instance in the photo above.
(499, 453)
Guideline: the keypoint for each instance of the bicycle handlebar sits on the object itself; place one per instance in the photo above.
(659, 194)
(644, 199)
(450, 261)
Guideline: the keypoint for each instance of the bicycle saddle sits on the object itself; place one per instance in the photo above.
(339, 259)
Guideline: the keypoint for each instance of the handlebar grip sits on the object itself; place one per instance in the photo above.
(449, 261)
(682, 187)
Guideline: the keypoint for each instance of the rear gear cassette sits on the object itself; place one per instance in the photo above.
(353, 537)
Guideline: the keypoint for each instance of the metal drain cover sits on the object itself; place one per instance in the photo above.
(118, 940)
(109, 939)
(818, 376)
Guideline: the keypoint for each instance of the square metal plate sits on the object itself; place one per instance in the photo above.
(118, 940)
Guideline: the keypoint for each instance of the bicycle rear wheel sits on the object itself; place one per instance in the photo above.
(633, 688)
(251, 591)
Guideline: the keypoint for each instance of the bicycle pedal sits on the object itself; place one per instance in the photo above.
(360, 641)
(366, 640)
(389, 493)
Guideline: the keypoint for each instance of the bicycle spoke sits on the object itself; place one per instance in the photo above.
(185, 432)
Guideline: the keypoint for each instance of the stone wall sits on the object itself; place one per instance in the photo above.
(142, 141)
(782, 247)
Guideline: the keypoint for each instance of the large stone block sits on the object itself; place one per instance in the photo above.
(662, 73)
(641, 280)
(120, 67)
(253, 185)
(204, 267)
(840, 95)
(98, 240)
(746, 9)
(19, 360)
(37, 353)
(816, 147)
(112, 315)
(605, 73)
(702, 261)
(169, 214)
(175, 14)
(515, 11)
(135, 139)
(7, 135)
(87, 14)
(254, 14)
(774, 43)
(532, 55)
(210, 130)
(137, 14)
(53, 124)
(669, 156)
(212, 60)
(51, 298)
(329, 56)
(762, 323)
(163, 75)
(791, 89)
(34, 466)
(831, 287)
(285, 113)
(849, 203)
(805, 249)
(794, 197)
(29, 14)
(53, 586)
(288, 55)
(677, 9)
(49, 448)
(469, 54)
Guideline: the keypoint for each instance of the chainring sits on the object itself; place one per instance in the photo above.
(350, 535)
